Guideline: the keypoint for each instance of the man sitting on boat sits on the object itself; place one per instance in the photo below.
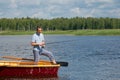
(38, 42)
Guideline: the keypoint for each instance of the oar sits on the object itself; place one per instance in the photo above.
(62, 63)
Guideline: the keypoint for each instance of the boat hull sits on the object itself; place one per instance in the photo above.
(46, 70)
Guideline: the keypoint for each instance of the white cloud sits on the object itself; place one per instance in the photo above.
(40, 14)
(61, 1)
(28, 2)
(13, 4)
(59, 8)
(76, 11)
(115, 12)
(1, 13)
(102, 3)
(98, 1)
(17, 13)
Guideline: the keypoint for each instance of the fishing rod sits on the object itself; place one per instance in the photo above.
(60, 41)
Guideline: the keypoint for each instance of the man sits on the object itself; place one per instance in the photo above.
(38, 43)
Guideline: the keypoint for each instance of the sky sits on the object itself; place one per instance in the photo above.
(49, 9)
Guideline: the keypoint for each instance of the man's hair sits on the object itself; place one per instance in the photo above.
(38, 27)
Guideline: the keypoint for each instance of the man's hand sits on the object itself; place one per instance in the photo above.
(42, 44)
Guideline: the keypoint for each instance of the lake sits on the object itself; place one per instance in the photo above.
(89, 57)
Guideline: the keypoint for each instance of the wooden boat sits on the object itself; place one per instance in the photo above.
(28, 69)
(29, 78)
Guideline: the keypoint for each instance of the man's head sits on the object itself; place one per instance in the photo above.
(39, 29)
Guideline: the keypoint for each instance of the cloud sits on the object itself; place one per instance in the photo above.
(82, 12)
(1, 13)
(28, 2)
(89, 2)
(40, 14)
(76, 11)
(13, 4)
(59, 8)
(114, 12)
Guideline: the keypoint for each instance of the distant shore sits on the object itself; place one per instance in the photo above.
(67, 32)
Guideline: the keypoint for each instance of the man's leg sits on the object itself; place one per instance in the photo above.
(48, 54)
(36, 56)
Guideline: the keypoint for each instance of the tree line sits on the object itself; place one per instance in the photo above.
(75, 23)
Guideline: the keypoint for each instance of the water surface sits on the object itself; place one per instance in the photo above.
(89, 57)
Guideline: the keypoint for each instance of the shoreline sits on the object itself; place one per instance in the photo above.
(104, 32)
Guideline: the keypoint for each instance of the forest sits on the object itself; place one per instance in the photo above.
(75, 23)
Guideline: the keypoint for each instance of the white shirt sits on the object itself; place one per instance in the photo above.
(37, 38)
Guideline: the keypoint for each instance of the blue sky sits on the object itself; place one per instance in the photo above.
(49, 9)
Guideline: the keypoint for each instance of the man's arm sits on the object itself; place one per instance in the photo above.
(38, 44)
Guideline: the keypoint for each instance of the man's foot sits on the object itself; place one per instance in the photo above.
(54, 62)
